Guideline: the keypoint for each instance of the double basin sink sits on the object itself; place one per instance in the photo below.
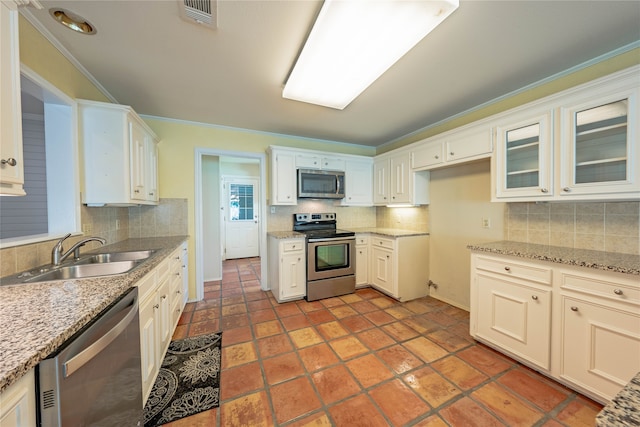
(105, 264)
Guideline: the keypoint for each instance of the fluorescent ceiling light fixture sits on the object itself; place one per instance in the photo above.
(353, 42)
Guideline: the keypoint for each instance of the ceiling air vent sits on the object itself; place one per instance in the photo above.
(203, 12)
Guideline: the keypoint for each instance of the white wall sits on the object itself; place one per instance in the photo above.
(212, 267)
(460, 199)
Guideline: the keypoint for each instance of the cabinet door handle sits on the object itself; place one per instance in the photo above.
(574, 308)
(544, 190)
(566, 189)
(617, 291)
(10, 161)
(136, 191)
(534, 297)
(507, 268)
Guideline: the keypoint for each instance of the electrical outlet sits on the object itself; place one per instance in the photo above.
(273, 209)
(486, 223)
(86, 228)
(117, 224)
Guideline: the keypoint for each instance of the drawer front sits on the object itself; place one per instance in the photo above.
(146, 285)
(382, 242)
(293, 246)
(619, 290)
(163, 269)
(362, 240)
(514, 269)
(426, 156)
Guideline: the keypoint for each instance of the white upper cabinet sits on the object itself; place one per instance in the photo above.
(311, 161)
(283, 177)
(11, 164)
(581, 144)
(599, 146)
(120, 156)
(358, 186)
(394, 181)
(523, 157)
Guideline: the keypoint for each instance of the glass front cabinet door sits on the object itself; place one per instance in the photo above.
(599, 146)
(523, 157)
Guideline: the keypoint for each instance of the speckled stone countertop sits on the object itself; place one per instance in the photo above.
(286, 234)
(390, 232)
(38, 317)
(608, 261)
(624, 408)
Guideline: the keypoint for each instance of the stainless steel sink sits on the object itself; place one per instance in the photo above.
(112, 257)
(79, 271)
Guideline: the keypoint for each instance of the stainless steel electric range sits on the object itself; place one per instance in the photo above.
(330, 255)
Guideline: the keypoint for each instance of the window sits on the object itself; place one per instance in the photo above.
(240, 202)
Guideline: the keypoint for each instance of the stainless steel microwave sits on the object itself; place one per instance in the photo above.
(318, 184)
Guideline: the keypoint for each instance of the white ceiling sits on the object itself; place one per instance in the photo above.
(146, 56)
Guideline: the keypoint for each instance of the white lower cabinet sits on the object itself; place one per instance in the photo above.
(578, 325)
(399, 266)
(362, 260)
(161, 304)
(287, 268)
(18, 403)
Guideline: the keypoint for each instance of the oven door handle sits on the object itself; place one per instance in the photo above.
(332, 239)
(77, 361)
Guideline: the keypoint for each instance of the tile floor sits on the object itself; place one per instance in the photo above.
(362, 360)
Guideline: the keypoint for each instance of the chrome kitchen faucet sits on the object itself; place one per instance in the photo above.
(57, 255)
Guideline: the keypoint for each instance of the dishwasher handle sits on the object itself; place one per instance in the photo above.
(77, 361)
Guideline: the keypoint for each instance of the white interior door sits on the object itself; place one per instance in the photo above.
(241, 219)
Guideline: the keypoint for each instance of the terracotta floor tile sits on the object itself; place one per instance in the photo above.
(331, 330)
(351, 298)
(379, 317)
(262, 304)
(287, 309)
(231, 292)
(240, 380)
(358, 411)
(317, 357)
(449, 341)
(342, 311)
(297, 321)
(383, 302)
(552, 423)
(458, 372)
(398, 402)
(203, 328)
(420, 324)
(273, 345)
(578, 414)
(206, 314)
(399, 312)
(307, 307)
(334, 384)
(348, 347)
(461, 330)
(399, 359)
(399, 331)
(281, 368)
(266, 329)
(368, 293)
(320, 316)
(185, 317)
(484, 360)
(425, 349)
(356, 323)
(465, 412)
(431, 386)
(417, 307)
(319, 419)
(364, 307)
(512, 410)
(533, 387)
(235, 321)
(262, 316)
(456, 312)
(235, 300)
(180, 332)
(369, 370)
(305, 337)
(251, 410)
(238, 354)
(293, 399)
(204, 304)
(331, 302)
(237, 335)
(441, 318)
(432, 421)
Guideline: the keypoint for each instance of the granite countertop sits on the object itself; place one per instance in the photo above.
(38, 317)
(390, 232)
(608, 261)
(624, 408)
(286, 234)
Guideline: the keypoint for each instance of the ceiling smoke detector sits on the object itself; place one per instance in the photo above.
(72, 21)
(202, 12)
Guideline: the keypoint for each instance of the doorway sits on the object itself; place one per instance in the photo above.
(240, 206)
(212, 168)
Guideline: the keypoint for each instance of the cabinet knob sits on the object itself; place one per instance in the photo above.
(574, 308)
(566, 189)
(507, 268)
(436, 156)
(163, 297)
(299, 259)
(360, 251)
(156, 306)
(177, 274)
(617, 291)
(393, 197)
(10, 161)
(452, 153)
(136, 191)
(534, 297)
(288, 197)
(151, 194)
(544, 190)
(387, 256)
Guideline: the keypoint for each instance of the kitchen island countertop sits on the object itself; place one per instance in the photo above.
(37, 318)
(389, 232)
(608, 261)
(624, 408)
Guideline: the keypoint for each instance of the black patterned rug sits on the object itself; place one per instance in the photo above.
(188, 381)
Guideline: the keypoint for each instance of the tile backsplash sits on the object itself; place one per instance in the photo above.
(411, 218)
(114, 224)
(348, 217)
(603, 226)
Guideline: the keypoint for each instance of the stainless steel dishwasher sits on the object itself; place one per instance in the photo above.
(95, 378)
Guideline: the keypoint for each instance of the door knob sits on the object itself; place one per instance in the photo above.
(10, 161)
